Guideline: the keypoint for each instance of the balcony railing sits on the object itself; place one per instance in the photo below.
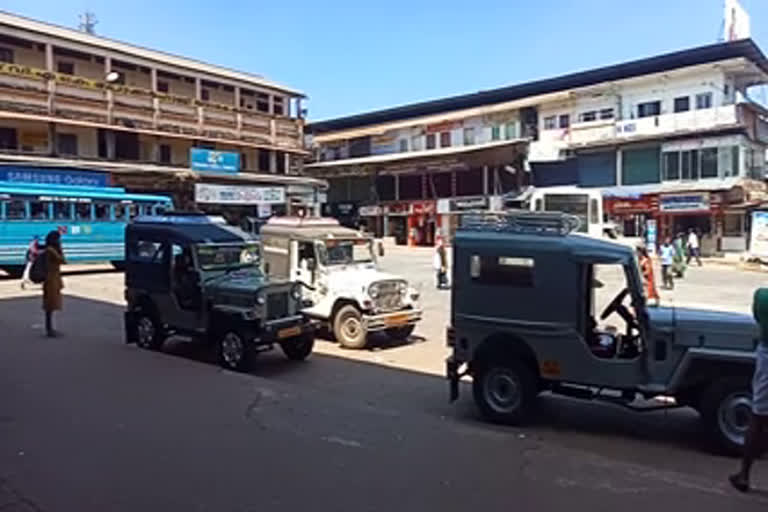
(38, 92)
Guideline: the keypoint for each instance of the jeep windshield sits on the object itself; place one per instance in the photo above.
(228, 256)
(346, 252)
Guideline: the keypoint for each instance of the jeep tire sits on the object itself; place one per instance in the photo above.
(298, 348)
(234, 350)
(150, 333)
(504, 390)
(726, 410)
(401, 333)
(348, 328)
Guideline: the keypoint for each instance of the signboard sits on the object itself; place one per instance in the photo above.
(469, 203)
(42, 176)
(264, 210)
(238, 194)
(680, 203)
(209, 160)
(651, 236)
(629, 206)
(424, 208)
(736, 25)
(369, 211)
(758, 236)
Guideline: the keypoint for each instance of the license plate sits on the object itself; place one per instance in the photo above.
(289, 332)
(397, 319)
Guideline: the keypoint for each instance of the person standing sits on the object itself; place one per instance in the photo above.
(667, 259)
(693, 247)
(679, 265)
(53, 283)
(646, 267)
(440, 263)
(32, 250)
(757, 434)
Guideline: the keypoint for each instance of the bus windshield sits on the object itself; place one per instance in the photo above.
(572, 204)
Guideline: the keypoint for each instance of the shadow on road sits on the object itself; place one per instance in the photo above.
(88, 324)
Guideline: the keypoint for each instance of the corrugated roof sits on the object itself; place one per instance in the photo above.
(745, 48)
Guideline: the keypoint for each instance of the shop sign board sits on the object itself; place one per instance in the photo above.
(651, 236)
(758, 236)
(681, 203)
(208, 160)
(398, 209)
(626, 206)
(208, 193)
(469, 203)
(39, 176)
(423, 208)
(443, 206)
(370, 211)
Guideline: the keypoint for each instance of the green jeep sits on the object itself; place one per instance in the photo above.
(538, 308)
(193, 276)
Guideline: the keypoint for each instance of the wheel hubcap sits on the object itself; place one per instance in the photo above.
(502, 390)
(733, 417)
(146, 331)
(232, 349)
(351, 328)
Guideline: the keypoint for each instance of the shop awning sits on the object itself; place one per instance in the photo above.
(636, 191)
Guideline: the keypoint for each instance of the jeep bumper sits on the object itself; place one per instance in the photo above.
(372, 323)
(285, 328)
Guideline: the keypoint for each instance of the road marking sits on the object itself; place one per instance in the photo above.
(344, 442)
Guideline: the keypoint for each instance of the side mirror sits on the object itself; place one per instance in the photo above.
(380, 245)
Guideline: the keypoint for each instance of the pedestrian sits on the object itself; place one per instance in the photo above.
(679, 265)
(757, 433)
(646, 267)
(693, 247)
(667, 259)
(440, 263)
(53, 284)
(32, 251)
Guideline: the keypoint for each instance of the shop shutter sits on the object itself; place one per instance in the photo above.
(548, 174)
(640, 166)
(597, 169)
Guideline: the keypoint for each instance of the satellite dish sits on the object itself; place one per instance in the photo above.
(112, 77)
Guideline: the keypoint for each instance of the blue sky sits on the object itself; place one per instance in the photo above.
(351, 56)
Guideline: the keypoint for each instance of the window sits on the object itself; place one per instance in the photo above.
(682, 104)
(689, 165)
(564, 121)
(709, 163)
(6, 55)
(66, 68)
(416, 143)
(205, 95)
(38, 210)
(606, 113)
(62, 210)
(264, 160)
(403, 145)
(733, 224)
(735, 161)
(704, 100)
(495, 132)
(648, 109)
(163, 86)
(262, 102)
(83, 211)
(277, 106)
(728, 161)
(14, 209)
(594, 211)
(165, 153)
(142, 251)
(502, 270)
(431, 141)
(672, 165)
(445, 139)
(66, 144)
(122, 212)
(550, 123)
(102, 212)
(469, 136)
(586, 117)
(510, 130)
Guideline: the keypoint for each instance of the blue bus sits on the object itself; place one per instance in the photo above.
(91, 220)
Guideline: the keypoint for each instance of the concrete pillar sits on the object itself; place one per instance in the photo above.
(51, 83)
(271, 105)
(198, 88)
(397, 187)
(49, 57)
(287, 163)
(618, 166)
(110, 94)
(155, 150)
(485, 180)
(51, 150)
(155, 101)
(109, 138)
(272, 161)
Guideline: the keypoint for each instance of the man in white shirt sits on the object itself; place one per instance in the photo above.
(693, 247)
(667, 258)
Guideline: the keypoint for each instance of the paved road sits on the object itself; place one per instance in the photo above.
(89, 423)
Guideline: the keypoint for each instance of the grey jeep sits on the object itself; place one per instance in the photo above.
(193, 276)
(538, 308)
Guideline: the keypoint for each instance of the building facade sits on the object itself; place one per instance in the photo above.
(151, 120)
(672, 139)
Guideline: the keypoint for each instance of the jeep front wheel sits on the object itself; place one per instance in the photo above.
(299, 348)
(233, 351)
(726, 409)
(504, 391)
(149, 332)
(348, 328)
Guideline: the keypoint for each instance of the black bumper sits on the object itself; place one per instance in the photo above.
(285, 329)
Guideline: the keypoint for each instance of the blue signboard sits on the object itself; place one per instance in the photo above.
(46, 176)
(214, 161)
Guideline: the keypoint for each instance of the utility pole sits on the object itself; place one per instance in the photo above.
(88, 22)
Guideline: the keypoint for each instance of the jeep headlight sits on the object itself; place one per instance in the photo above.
(373, 291)
(296, 292)
(261, 299)
(402, 288)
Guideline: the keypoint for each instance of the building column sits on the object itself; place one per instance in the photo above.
(485, 180)
(110, 94)
(51, 85)
(155, 99)
(618, 167)
(52, 139)
(155, 150)
(238, 114)
(199, 97)
(272, 161)
(397, 187)
(424, 183)
(109, 138)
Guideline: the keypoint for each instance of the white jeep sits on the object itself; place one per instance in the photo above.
(345, 287)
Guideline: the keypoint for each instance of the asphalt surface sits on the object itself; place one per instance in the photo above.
(89, 423)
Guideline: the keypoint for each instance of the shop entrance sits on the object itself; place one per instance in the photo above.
(398, 229)
(702, 224)
(422, 230)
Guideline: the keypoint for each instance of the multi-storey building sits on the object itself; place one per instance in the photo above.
(152, 120)
(673, 138)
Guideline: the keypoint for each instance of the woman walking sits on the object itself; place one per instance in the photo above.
(53, 284)
(646, 267)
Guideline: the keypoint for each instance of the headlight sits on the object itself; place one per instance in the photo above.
(402, 288)
(373, 291)
(261, 299)
(296, 292)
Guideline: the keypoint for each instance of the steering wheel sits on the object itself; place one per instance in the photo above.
(620, 309)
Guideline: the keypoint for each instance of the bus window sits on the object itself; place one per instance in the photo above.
(594, 217)
(83, 211)
(38, 210)
(102, 212)
(14, 209)
(121, 212)
(539, 205)
(61, 210)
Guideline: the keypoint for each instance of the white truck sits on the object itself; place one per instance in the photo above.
(346, 289)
